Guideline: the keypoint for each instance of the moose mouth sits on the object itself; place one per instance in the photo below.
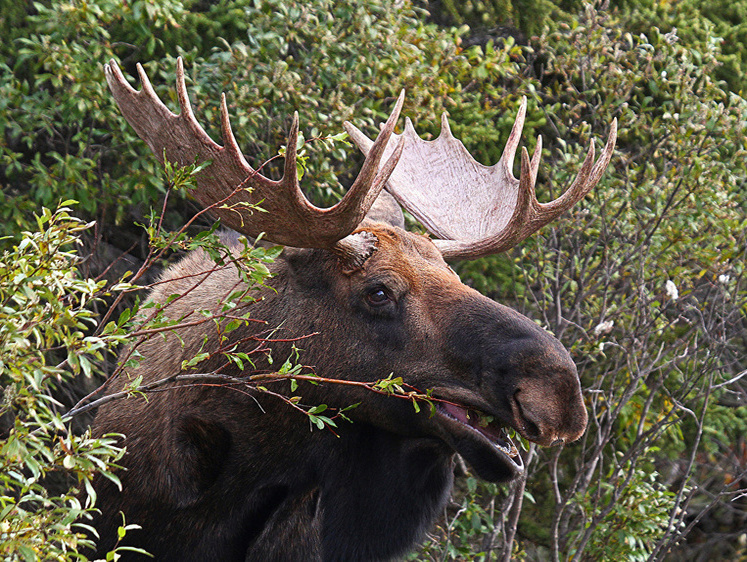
(482, 441)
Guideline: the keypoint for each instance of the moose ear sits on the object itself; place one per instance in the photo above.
(202, 447)
(386, 209)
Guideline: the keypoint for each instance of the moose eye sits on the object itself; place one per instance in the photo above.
(377, 297)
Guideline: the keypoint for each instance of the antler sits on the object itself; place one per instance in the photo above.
(229, 184)
(478, 210)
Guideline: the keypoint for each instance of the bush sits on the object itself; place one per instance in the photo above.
(699, 23)
(64, 137)
(644, 281)
(50, 338)
(648, 282)
(44, 316)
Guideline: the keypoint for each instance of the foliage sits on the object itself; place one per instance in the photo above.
(49, 335)
(638, 516)
(646, 285)
(527, 16)
(644, 281)
(64, 138)
(697, 23)
(637, 282)
(44, 316)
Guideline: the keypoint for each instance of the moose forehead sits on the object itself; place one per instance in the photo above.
(412, 258)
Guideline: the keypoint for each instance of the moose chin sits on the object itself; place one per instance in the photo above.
(222, 472)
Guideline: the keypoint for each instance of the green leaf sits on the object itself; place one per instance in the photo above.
(318, 409)
(26, 552)
(199, 358)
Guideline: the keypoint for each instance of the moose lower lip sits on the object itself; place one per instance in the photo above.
(492, 431)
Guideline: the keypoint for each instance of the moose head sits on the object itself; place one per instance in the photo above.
(217, 474)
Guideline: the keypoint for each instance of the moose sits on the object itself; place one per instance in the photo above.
(217, 472)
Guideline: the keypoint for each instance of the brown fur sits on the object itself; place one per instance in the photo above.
(220, 473)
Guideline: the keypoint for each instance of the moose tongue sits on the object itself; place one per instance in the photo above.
(492, 431)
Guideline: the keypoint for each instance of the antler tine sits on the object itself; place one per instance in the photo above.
(229, 140)
(371, 180)
(509, 151)
(588, 176)
(229, 187)
(290, 170)
(609, 148)
(477, 210)
(536, 155)
(181, 91)
(578, 189)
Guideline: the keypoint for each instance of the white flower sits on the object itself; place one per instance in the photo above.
(724, 279)
(604, 328)
(671, 289)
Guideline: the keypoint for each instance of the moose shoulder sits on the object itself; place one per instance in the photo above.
(228, 473)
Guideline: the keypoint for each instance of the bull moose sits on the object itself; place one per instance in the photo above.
(218, 472)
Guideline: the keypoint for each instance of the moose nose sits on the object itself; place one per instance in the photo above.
(550, 416)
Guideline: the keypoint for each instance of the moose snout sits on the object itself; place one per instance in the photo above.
(545, 397)
(527, 374)
(550, 414)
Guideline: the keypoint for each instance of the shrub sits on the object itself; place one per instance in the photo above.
(50, 334)
(699, 23)
(644, 281)
(64, 138)
(44, 318)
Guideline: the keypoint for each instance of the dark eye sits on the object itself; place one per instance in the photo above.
(377, 297)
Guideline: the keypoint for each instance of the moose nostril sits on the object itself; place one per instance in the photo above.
(529, 429)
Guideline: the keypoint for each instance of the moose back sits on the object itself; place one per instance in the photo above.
(229, 472)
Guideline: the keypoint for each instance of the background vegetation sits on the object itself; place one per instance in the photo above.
(644, 281)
